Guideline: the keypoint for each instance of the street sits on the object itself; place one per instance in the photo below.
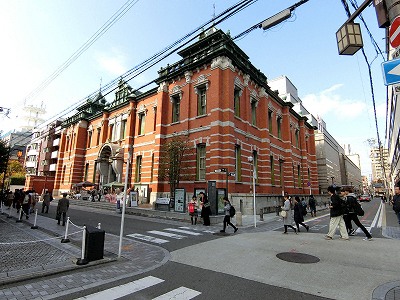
(203, 264)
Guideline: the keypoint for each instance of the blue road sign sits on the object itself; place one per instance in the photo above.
(391, 71)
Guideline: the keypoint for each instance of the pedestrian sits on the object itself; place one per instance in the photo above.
(26, 203)
(298, 211)
(352, 203)
(336, 215)
(313, 206)
(192, 208)
(10, 198)
(62, 208)
(46, 201)
(205, 209)
(227, 218)
(287, 220)
(396, 200)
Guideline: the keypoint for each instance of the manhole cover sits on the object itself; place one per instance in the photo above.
(300, 258)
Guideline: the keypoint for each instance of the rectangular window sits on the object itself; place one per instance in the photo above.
(253, 113)
(155, 119)
(236, 102)
(271, 162)
(138, 171)
(238, 163)
(270, 121)
(111, 132)
(279, 126)
(255, 165)
(296, 137)
(201, 162)
(152, 167)
(142, 119)
(281, 172)
(201, 101)
(89, 142)
(123, 129)
(298, 177)
(86, 171)
(98, 136)
(176, 108)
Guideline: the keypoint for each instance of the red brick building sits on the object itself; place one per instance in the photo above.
(217, 100)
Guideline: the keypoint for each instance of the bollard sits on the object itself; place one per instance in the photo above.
(261, 215)
(82, 260)
(99, 226)
(66, 239)
(239, 221)
(9, 213)
(34, 222)
(19, 220)
(1, 207)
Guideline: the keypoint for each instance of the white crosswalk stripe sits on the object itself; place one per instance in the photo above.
(167, 234)
(183, 231)
(172, 233)
(125, 289)
(198, 229)
(147, 238)
(181, 293)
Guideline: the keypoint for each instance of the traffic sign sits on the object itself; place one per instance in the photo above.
(394, 33)
(391, 71)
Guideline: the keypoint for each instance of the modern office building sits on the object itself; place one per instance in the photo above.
(333, 164)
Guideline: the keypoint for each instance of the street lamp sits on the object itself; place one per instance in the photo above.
(250, 160)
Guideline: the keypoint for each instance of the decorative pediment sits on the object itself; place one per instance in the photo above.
(141, 109)
(163, 87)
(222, 62)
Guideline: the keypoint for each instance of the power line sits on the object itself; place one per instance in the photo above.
(154, 59)
(103, 29)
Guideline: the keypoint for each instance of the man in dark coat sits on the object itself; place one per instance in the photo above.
(62, 208)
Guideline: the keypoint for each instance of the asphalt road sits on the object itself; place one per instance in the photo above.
(175, 278)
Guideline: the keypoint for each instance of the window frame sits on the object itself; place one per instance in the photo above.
(201, 161)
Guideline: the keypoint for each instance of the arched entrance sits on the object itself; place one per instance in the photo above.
(109, 163)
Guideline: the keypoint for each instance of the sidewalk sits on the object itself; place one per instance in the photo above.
(344, 270)
(38, 253)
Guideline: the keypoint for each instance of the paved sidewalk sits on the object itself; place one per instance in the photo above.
(52, 260)
(358, 267)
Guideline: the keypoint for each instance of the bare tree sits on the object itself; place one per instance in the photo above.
(172, 165)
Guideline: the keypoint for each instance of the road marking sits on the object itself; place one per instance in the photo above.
(183, 231)
(197, 229)
(181, 293)
(125, 289)
(382, 215)
(374, 222)
(167, 234)
(147, 238)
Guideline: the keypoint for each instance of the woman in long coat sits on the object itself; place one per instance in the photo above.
(287, 220)
(298, 214)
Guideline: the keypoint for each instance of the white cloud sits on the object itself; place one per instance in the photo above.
(329, 101)
(113, 62)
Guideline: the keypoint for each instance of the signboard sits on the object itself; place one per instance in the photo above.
(180, 202)
(394, 33)
(163, 201)
(133, 198)
(391, 71)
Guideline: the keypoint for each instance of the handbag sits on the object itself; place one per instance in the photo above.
(283, 214)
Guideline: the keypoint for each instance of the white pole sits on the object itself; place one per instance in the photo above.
(82, 260)
(66, 239)
(34, 223)
(254, 196)
(124, 202)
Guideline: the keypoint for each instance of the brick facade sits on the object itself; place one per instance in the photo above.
(195, 99)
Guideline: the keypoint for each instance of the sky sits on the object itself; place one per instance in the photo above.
(39, 36)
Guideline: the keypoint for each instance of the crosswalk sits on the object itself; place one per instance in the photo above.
(181, 293)
(168, 234)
